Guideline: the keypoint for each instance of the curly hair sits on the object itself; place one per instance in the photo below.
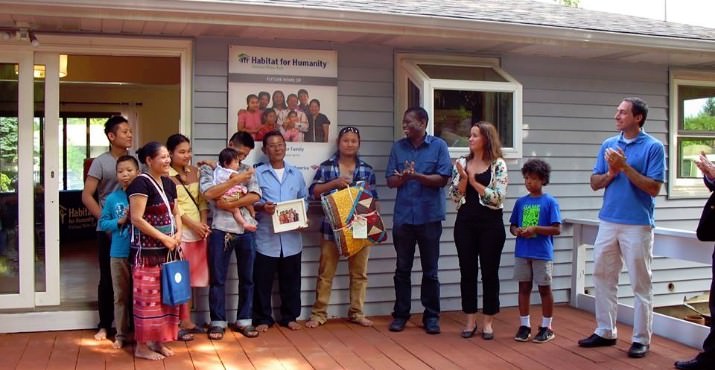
(537, 167)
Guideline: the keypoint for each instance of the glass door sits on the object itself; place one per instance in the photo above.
(29, 243)
(17, 288)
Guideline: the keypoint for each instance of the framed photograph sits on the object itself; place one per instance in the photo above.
(289, 215)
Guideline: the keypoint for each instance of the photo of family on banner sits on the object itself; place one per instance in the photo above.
(353, 216)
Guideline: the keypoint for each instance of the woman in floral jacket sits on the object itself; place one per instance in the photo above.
(478, 187)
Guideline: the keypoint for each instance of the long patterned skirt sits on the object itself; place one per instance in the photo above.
(153, 321)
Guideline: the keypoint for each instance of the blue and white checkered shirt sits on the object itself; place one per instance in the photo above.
(330, 170)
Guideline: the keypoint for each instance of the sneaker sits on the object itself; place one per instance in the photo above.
(523, 334)
(544, 335)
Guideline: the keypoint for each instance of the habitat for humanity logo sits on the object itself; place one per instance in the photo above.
(278, 62)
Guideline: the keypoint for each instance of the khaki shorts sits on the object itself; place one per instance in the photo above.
(538, 271)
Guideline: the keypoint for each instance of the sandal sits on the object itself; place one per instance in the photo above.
(186, 335)
(195, 330)
(216, 333)
(248, 331)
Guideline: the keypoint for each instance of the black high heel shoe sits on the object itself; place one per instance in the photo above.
(469, 333)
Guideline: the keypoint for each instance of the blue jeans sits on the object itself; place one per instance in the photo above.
(220, 245)
(426, 236)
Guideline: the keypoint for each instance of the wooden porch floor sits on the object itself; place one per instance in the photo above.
(342, 345)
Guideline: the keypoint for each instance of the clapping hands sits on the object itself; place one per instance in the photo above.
(705, 165)
(616, 160)
(407, 172)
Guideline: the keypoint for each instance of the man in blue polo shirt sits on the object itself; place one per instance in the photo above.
(419, 167)
(631, 168)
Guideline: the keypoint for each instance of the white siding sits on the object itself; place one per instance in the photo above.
(568, 110)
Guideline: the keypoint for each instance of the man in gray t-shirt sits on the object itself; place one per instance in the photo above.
(102, 180)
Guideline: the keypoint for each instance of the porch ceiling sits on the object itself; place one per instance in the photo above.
(485, 38)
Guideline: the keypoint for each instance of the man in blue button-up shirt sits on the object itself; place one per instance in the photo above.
(419, 167)
(277, 252)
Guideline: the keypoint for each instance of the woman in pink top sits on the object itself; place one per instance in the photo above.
(249, 119)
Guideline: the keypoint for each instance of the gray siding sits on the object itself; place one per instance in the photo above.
(568, 110)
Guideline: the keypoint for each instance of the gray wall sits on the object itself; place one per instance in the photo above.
(568, 110)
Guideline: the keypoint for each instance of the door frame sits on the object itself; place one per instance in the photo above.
(51, 46)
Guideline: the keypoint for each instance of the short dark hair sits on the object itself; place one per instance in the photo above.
(420, 112)
(265, 114)
(174, 140)
(127, 158)
(638, 106)
(537, 167)
(226, 156)
(264, 93)
(269, 134)
(149, 150)
(347, 129)
(302, 91)
(112, 123)
(316, 101)
(292, 96)
(251, 96)
(242, 138)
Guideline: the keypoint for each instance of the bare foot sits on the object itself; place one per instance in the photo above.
(362, 321)
(118, 343)
(143, 351)
(312, 323)
(262, 328)
(101, 334)
(161, 348)
(294, 326)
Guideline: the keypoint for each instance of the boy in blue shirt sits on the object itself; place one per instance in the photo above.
(534, 221)
(115, 219)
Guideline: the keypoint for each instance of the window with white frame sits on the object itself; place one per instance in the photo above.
(692, 130)
(459, 91)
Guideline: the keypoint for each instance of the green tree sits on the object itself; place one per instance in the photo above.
(709, 107)
(8, 150)
(569, 3)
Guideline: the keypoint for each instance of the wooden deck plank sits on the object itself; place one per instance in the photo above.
(369, 351)
(12, 347)
(388, 344)
(311, 350)
(92, 353)
(343, 345)
(66, 350)
(37, 352)
(332, 345)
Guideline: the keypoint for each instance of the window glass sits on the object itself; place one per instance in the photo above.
(696, 127)
(456, 110)
(97, 139)
(76, 152)
(688, 152)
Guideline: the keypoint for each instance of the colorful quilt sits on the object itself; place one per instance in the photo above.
(341, 209)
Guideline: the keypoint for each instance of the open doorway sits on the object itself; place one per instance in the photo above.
(146, 90)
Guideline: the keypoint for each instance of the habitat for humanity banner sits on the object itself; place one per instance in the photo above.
(293, 91)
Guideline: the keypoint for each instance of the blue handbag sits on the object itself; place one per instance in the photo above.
(175, 282)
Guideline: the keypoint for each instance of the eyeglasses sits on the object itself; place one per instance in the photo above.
(352, 129)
